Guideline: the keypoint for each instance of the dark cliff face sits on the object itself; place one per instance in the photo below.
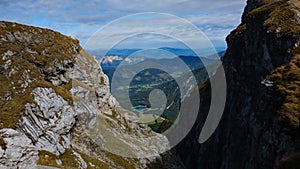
(260, 125)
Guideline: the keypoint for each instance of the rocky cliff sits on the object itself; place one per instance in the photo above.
(57, 110)
(260, 125)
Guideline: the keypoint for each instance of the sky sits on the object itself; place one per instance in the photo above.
(82, 19)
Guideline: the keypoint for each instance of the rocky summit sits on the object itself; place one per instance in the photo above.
(57, 110)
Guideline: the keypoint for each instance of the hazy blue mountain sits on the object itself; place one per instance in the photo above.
(175, 51)
(111, 62)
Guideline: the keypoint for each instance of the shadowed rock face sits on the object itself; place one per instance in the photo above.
(260, 126)
(57, 110)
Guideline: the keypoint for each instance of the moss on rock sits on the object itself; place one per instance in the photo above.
(26, 52)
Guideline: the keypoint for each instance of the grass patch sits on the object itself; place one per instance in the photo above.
(97, 163)
(2, 144)
(34, 51)
(275, 15)
(48, 159)
(287, 82)
(120, 161)
(102, 80)
(69, 160)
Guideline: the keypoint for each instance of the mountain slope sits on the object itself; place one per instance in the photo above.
(56, 108)
(260, 125)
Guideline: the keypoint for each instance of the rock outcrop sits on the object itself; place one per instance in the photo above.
(260, 125)
(57, 110)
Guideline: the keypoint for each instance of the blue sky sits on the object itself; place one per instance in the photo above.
(82, 19)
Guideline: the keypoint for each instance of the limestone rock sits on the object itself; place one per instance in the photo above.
(57, 108)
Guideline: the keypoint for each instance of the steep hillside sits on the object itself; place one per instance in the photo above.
(56, 108)
(260, 126)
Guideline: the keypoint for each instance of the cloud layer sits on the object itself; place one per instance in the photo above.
(82, 18)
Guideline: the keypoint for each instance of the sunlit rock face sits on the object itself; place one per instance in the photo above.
(57, 110)
(260, 126)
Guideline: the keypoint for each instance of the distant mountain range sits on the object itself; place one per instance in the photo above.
(113, 61)
(175, 51)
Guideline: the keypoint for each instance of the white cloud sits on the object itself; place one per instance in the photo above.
(81, 18)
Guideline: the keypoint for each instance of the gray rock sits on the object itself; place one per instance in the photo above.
(19, 150)
(91, 123)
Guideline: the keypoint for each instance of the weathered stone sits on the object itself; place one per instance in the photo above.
(91, 122)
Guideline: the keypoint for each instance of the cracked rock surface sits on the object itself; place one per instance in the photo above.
(57, 110)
